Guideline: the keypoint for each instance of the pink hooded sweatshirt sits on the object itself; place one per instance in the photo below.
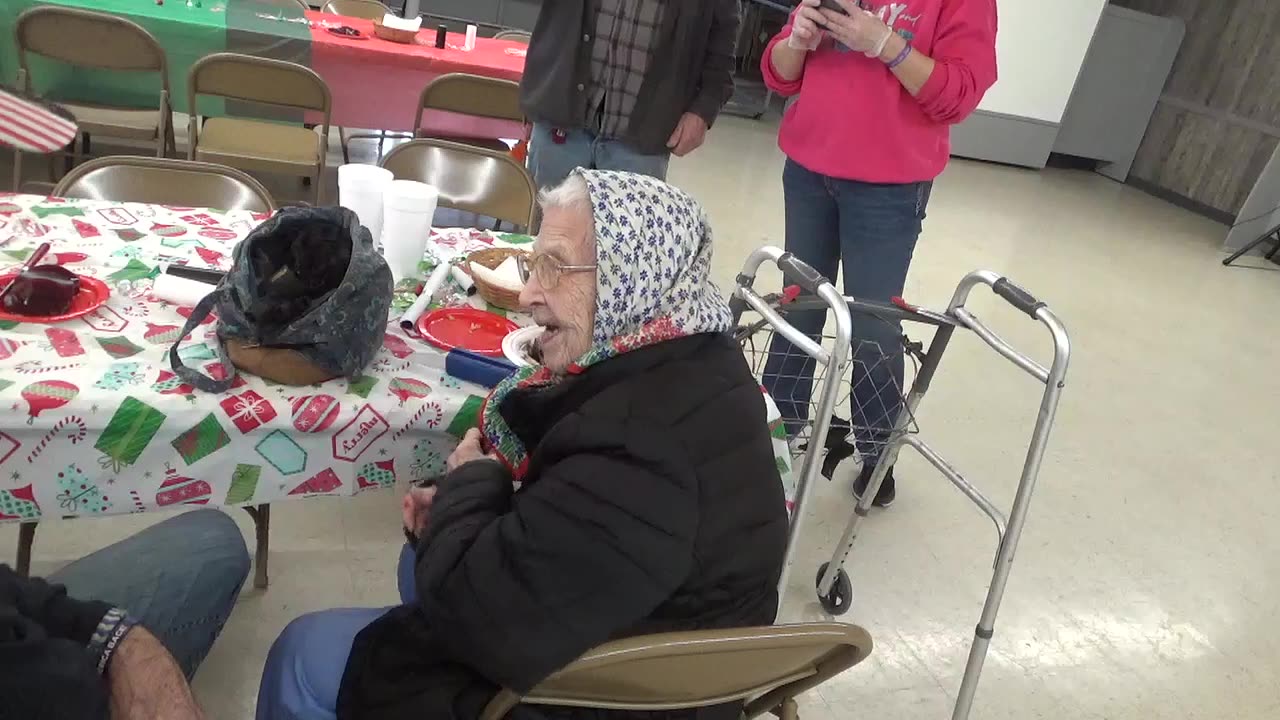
(854, 120)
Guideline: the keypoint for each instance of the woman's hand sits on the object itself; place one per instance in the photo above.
(806, 26)
(468, 450)
(856, 28)
(416, 509)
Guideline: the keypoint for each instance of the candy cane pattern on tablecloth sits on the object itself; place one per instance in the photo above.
(35, 367)
(72, 423)
(432, 422)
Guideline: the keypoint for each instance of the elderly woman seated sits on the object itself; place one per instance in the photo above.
(648, 500)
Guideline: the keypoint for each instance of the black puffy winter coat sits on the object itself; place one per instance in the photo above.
(652, 503)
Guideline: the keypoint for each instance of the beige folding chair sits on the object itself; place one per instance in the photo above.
(516, 35)
(471, 179)
(767, 667)
(474, 95)
(365, 9)
(258, 145)
(89, 39)
(163, 181)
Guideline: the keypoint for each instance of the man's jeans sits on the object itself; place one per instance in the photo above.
(305, 666)
(551, 162)
(179, 578)
(872, 229)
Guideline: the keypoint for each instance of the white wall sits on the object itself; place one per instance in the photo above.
(1039, 48)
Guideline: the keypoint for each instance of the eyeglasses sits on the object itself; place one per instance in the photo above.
(547, 269)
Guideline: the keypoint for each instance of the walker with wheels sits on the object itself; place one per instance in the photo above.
(838, 362)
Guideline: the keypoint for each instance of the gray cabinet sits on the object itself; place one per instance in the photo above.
(1119, 85)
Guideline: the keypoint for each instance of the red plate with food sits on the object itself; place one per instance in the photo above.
(91, 294)
(466, 328)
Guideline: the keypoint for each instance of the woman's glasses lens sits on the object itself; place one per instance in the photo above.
(548, 271)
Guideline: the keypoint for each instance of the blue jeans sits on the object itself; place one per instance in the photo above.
(306, 663)
(179, 578)
(551, 162)
(873, 229)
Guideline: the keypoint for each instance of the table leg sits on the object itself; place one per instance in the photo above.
(26, 538)
(262, 525)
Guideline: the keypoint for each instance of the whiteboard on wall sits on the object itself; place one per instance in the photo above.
(1040, 47)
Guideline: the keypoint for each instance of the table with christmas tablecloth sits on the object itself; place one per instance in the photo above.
(95, 423)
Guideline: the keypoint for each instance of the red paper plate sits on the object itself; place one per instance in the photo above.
(466, 328)
(93, 293)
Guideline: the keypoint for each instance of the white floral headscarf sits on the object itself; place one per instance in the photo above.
(653, 249)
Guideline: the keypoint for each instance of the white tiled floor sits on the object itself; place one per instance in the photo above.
(1145, 586)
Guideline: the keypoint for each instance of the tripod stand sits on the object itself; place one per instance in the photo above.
(1272, 235)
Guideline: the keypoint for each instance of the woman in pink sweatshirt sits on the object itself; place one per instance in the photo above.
(878, 84)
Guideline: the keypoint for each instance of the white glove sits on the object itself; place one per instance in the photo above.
(806, 27)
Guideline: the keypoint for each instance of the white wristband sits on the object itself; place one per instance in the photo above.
(879, 48)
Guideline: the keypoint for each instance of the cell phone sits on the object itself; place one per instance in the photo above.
(832, 5)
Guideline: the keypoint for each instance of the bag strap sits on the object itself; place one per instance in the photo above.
(190, 375)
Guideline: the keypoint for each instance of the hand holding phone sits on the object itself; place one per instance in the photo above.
(806, 26)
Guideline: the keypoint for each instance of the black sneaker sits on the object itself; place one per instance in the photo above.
(887, 493)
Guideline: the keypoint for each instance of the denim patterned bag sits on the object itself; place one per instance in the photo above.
(340, 333)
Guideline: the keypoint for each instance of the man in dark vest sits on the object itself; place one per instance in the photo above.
(624, 84)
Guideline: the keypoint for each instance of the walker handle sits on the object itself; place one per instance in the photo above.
(1017, 297)
(799, 272)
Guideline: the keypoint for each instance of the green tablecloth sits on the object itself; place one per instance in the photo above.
(186, 31)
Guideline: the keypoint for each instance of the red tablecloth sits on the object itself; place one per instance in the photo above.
(376, 83)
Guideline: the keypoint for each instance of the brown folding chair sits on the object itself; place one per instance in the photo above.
(365, 9)
(89, 39)
(471, 179)
(474, 95)
(767, 667)
(164, 181)
(258, 145)
(516, 35)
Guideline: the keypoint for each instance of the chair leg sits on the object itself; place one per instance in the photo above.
(26, 539)
(17, 170)
(790, 710)
(262, 530)
(342, 139)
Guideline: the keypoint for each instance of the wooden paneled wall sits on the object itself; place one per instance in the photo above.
(1218, 121)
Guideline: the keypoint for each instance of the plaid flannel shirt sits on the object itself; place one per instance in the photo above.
(620, 54)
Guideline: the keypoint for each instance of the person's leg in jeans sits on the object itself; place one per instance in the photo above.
(813, 235)
(179, 578)
(553, 155)
(616, 155)
(879, 226)
(304, 668)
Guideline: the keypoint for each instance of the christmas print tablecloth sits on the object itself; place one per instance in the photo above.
(95, 423)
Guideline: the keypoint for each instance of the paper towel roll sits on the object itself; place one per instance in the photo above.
(180, 291)
(410, 318)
